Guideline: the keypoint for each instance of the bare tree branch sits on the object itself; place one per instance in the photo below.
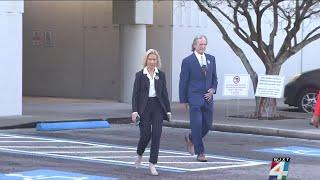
(268, 6)
(311, 32)
(220, 11)
(285, 15)
(238, 30)
(308, 6)
(274, 30)
(248, 18)
(297, 48)
(233, 45)
(286, 45)
(305, 42)
(250, 23)
(312, 13)
(261, 45)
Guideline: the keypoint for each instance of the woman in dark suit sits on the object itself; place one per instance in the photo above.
(150, 103)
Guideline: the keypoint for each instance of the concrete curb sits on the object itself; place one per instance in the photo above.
(252, 130)
(217, 127)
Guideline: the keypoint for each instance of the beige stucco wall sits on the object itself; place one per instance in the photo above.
(84, 59)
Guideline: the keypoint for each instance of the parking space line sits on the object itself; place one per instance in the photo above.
(53, 147)
(113, 162)
(179, 162)
(6, 137)
(175, 161)
(225, 167)
(135, 156)
(23, 141)
(86, 152)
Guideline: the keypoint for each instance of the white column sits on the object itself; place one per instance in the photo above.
(132, 48)
(11, 57)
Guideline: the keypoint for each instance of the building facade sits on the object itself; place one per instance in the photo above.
(11, 57)
(91, 49)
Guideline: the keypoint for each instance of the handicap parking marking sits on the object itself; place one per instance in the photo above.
(174, 161)
(293, 150)
(41, 174)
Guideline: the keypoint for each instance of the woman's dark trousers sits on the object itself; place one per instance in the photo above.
(151, 128)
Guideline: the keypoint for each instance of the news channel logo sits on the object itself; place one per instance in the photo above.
(279, 168)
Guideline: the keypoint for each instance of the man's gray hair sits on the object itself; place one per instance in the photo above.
(196, 39)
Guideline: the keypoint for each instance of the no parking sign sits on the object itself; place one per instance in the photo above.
(236, 85)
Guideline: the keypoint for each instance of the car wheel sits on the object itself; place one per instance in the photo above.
(307, 100)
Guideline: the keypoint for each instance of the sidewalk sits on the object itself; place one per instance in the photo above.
(42, 109)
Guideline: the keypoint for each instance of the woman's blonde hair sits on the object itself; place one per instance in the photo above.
(146, 55)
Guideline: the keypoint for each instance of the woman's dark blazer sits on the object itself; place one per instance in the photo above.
(141, 93)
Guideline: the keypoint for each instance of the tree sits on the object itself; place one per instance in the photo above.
(248, 17)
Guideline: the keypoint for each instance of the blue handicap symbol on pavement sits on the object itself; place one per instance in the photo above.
(293, 150)
(51, 175)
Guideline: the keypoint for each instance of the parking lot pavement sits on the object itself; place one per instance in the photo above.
(109, 154)
(173, 161)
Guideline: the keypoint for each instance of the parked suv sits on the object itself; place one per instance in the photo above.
(302, 90)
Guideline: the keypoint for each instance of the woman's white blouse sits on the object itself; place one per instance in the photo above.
(152, 90)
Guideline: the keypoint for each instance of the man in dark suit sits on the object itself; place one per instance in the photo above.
(198, 83)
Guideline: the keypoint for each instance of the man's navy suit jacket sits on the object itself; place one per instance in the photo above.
(193, 83)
